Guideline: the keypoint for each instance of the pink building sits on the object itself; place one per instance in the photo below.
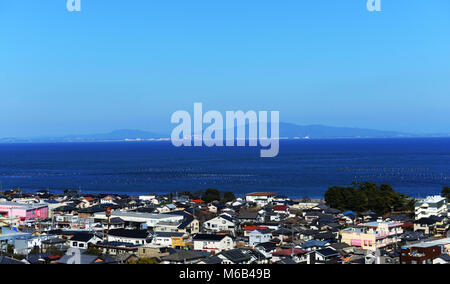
(23, 211)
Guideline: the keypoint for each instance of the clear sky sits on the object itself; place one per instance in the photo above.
(132, 63)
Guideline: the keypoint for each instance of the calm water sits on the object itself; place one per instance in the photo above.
(304, 168)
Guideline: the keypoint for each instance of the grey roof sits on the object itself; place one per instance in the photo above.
(248, 215)
(134, 234)
(168, 234)
(209, 237)
(9, 260)
(286, 260)
(445, 257)
(213, 260)
(185, 255)
(236, 255)
(84, 259)
(327, 252)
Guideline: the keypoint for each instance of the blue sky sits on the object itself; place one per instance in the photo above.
(131, 64)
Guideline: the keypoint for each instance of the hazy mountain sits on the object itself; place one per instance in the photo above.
(321, 131)
(287, 130)
(117, 135)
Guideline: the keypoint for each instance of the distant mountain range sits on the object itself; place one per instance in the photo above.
(287, 130)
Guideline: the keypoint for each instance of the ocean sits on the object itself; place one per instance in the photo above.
(304, 168)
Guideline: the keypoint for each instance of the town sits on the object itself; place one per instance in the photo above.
(212, 227)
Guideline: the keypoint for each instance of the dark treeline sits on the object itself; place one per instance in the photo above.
(210, 195)
(368, 196)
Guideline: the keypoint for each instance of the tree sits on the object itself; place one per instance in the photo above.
(211, 194)
(367, 196)
(228, 196)
(10, 249)
(143, 261)
(35, 250)
(55, 251)
(93, 251)
(446, 192)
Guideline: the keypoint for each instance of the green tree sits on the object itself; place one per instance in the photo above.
(93, 251)
(10, 249)
(367, 196)
(35, 250)
(55, 251)
(143, 261)
(211, 194)
(446, 192)
(228, 196)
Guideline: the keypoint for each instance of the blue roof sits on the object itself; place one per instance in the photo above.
(349, 213)
(313, 243)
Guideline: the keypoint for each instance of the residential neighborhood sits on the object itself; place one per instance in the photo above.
(258, 228)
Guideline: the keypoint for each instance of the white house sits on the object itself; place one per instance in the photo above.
(259, 236)
(149, 219)
(431, 206)
(83, 240)
(212, 243)
(137, 237)
(260, 198)
(108, 200)
(147, 197)
(212, 208)
(222, 223)
(326, 255)
(164, 239)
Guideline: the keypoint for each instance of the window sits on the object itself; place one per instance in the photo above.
(81, 245)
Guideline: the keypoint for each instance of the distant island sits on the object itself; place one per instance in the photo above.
(287, 131)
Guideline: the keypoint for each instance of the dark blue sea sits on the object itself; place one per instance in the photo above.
(304, 168)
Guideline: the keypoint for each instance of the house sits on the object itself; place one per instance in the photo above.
(424, 252)
(108, 200)
(248, 216)
(313, 245)
(442, 259)
(184, 257)
(86, 259)
(266, 249)
(171, 239)
(9, 237)
(86, 202)
(431, 206)
(150, 251)
(426, 225)
(260, 198)
(117, 248)
(298, 255)
(83, 240)
(24, 211)
(114, 223)
(9, 260)
(213, 243)
(212, 208)
(222, 223)
(373, 235)
(138, 237)
(166, 208)
(249, 229)
(147, 197)
(323, 256)
(236, 256)
(259, 236)
(146, 219)
(280, 209)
